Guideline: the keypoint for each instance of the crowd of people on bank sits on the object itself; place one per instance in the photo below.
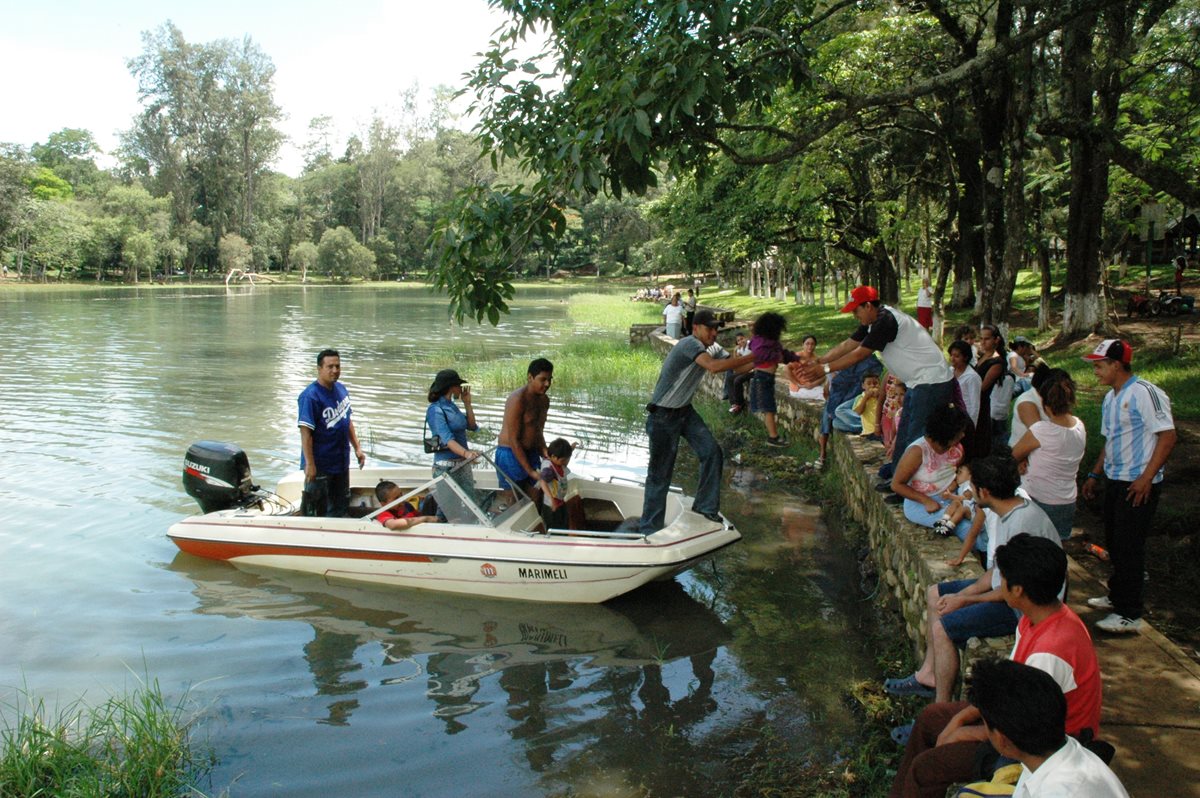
(981, 443)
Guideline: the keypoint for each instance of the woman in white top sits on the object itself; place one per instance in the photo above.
(1052, 450)
(1028, 407)
(970, 385)
(673, 317)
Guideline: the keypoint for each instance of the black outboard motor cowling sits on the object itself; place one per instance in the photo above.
(217, 476)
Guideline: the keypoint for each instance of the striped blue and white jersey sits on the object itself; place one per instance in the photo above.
(1131, 419)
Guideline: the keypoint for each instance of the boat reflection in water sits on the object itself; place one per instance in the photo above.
(454, 643)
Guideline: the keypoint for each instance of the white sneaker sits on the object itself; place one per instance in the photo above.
(1100, 603)
(1119, 624)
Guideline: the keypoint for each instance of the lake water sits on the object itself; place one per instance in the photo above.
(302, 688)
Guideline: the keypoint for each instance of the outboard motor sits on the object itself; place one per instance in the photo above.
(217, 476)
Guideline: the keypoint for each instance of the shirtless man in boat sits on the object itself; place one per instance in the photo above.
(521, 445)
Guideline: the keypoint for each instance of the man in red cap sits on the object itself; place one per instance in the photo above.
(1139, 434)
(906, 350)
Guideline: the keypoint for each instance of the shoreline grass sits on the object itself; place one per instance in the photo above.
(132, 745)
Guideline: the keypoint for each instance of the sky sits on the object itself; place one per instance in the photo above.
(63, 62)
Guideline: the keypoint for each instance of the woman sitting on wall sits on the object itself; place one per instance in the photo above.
(928, 466)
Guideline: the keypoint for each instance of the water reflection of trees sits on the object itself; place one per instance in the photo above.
(561, 668)
(627, 691)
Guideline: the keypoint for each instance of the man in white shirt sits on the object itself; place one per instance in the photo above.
(1139, 434)
(1024, 711)
(908, 352)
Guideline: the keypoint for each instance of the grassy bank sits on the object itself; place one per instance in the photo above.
(135, 746)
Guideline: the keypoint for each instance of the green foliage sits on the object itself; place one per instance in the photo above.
(478, 249)
(234, 252)
(342, 258)
(134, 746)
(45, 185)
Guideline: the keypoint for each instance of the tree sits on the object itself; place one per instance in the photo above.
(70, 154)
(206, 132)
(234, 253)
(631, 87)
(341, 257)
(304, 256)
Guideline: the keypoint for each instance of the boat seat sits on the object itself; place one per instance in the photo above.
(602, 515)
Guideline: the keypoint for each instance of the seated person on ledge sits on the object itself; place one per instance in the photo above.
(1025, 714)
(401, 515)
(942, 747)
(960, 609)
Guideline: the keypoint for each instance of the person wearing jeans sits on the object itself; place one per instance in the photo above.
(906, 350)
(672, 417)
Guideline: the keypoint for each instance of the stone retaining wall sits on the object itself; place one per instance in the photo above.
(909, 558)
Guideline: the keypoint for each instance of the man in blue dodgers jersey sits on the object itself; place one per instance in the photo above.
(1139, 434)
(672, 417)
(326, 435)
(906, 350)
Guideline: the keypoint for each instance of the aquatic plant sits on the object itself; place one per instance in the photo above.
(135, 746)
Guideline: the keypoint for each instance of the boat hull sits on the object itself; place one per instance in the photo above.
(506, 561)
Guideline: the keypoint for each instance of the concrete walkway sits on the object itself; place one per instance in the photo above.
(1151, 703)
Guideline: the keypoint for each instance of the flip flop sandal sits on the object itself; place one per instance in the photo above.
(900, 734)
(908, 686)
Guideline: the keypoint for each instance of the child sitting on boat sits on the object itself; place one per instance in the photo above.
(553, 482)
(401, 515)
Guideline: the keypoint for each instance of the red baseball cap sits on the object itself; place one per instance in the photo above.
(1112, 349)
(864, 293)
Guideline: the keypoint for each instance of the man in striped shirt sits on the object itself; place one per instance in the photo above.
(1139, 434)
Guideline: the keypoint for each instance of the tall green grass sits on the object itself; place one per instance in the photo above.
(134, 746)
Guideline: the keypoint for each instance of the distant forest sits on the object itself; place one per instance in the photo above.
(773, 143)
(193, 192)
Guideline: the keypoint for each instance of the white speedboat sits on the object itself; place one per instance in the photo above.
(486, 547)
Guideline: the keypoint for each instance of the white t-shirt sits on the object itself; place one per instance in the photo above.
(1070, 772)
(924, 297)
(1002, 391)
(905, 347)
(1030, 397)
(1054, 465)
(673, 313)
(971, 385)
(1027, 517)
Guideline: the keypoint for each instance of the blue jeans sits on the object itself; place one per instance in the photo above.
(916, 512)
(664, 428)
(919, 402)
(986, 619)
(845, 419)
(1061, 515)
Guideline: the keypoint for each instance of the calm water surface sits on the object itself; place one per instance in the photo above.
(303, 688)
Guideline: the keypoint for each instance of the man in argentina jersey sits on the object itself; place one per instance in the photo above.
(1139, 434)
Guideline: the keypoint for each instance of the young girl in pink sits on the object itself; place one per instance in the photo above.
(893, 403)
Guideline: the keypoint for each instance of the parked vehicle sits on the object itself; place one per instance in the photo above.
(1142, 305)
(1171, 304)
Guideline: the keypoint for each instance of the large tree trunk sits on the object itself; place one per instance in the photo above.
(969, 218)
(1083, 305)
(1015, 209)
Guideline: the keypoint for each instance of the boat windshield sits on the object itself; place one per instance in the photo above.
(463, 499)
